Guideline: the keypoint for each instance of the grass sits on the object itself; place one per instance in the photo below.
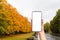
(17, 37)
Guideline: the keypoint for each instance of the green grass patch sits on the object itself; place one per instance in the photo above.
(17, 37)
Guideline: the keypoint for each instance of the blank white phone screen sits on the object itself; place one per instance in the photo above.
(36, 21)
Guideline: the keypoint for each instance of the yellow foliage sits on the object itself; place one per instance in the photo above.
(2, 0)
(13, 20)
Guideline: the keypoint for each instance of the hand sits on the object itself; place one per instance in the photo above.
(42, 33)
(42, 27)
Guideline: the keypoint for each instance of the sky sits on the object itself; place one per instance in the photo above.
(25, 7)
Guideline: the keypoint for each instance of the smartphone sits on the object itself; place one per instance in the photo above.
(36, 21)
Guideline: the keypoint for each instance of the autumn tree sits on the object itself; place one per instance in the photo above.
(11, 21)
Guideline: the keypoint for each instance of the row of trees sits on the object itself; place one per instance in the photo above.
(11, 21)
(54, 25)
